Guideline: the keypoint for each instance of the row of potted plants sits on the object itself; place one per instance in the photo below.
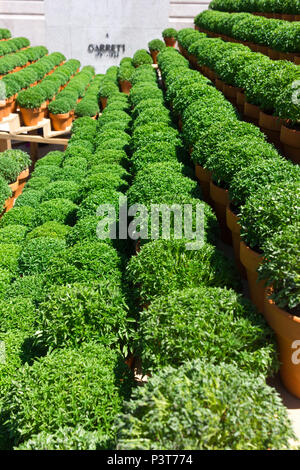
(89, 104)
(13, 83)
(125, 73)
(280, 9)
(109, 85)
(262, 88)
(236, 169)
(179, 291)
(18, 60)
(73, 302)
(275, 38)
(13, 45)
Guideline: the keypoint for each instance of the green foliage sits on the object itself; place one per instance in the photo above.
(165, 265)
(87, 107)
(269, 211)
(31, 98)
(280, 268)
(9, 254)
(156, 45)
(38, 182)
(206, 322)
(53, 172)
(190, 93)
(17, 233)
(61, 106)
(59, 210)
(19, 216)
(141, 91)
(153, 115)
(155, 132)
(91, 203)
(67, 388)
(20, 157)
(61, 189)
(29, 287)
(52, 158)
(37, 253)
(85, 262)
(195, 407)
(49, 229)
(5, 279)
(17, 313)
(154, 153)
(169, 33)
(260, 173)
(141, 57)
(84, 230)
(31, 197)
(74, 314)
(5, 192)
(9, 169)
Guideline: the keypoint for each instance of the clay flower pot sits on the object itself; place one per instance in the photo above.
(286, 17)
(287, 329)
(235, 228)
(220, 84)
(2, 110)
(230, 92)
(9, 204)
(240, 100)
(220, 198)
(251, 112)
(274, 55)
(262, 49)
(154, 56)
(61, 122)
(251, 260)
(23, 176)
(271, 126)
(32, 117)
(103, 101)
(204, 178)
(297, 59)
(287, 56)
(290, 138)
(171, 42)
(14, 186)
(125, 86)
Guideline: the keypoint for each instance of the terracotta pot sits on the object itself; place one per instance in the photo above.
(287, 56)
(230, 92)
(9, 204)
(296, 17)
(14, 186)
(193, 59)
(251, 260)
(204, 178)
(219, 84)
(8, 106)
(154, 56)
(290, 139)
(31, 117)
(297, 59)
(251, 112)
(271, 126)
(232, 221)
(274, 55)
(103, 101)
(2, 110)
(171, 42)
(287, 17)
(23, 176)
(220, 198)
(262, 49)
(125, 86)
(240, 100)
(287, 329)
(61, 122)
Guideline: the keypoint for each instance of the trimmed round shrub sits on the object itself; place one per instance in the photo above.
(84, 262)
(20, 157)
(9, 254)
(79, 149)
(206, 322)
(166, 265)
(153, 115)
(190, 93)
(52, 172)
(141, 57)
(154, 153)
(9, 169)
(58, 210)
(169, 33)
(99, 381)
(97, 181)
(61, 189)
(259, 173)
(19, 216)
(269, 211)
(156, 45)
(74, 314)
(117, 157)
(78, 162)
(37, 253)
(15, 233)
(37, 183)
(84, 230)
(52, 158)
(5, 279)
(91, 203)
(83, 123)
(154, 133)
(73, 173)
(144, 105)
(145, 91)
(50, 229)
(280, 268)
(31, 198)
(195, 407)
